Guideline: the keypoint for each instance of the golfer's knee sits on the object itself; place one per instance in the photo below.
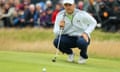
(55, 42)
(61, 44)
(82, 43)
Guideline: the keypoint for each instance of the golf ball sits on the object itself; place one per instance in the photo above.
(44, 70)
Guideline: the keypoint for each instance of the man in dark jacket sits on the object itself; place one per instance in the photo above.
(31, 16)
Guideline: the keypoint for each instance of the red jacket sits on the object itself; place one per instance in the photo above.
(55, 12)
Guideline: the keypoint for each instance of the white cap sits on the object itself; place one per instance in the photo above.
(48, 2)
(68, 1)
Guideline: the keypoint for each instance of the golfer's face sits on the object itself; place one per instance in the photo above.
(69, 8)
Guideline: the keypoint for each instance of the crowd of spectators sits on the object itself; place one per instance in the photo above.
(107, 13)
(22, 13)
(16, 13)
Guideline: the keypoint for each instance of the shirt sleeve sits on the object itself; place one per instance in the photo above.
(56, 25)
(91, 22)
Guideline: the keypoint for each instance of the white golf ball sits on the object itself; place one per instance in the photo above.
(44, 70)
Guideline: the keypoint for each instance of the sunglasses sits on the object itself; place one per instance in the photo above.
(67, 4)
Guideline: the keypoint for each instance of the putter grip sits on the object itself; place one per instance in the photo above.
(62, 24)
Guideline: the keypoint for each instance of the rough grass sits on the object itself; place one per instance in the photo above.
(27, 34)
(105, 36)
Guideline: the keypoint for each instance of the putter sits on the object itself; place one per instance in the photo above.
(57, 51)
(60, 34)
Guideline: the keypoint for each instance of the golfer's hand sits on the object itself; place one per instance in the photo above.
(62, 24)
(85, 36)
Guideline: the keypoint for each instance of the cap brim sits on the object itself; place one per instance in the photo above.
(68, 2)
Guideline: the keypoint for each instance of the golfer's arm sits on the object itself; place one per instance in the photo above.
(91, 24)
(56, 26)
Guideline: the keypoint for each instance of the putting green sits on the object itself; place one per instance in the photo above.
(35, 62)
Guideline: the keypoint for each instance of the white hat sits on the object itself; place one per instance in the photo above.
(68, 1)
(48, 2)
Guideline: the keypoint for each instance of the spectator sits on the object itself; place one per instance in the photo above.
(80, 5)
(17, 20)
(111, 4)
(17, 4)
(104, 11)
(97, 5)
(49, 5)
(26, 2)
(39, 11)
(55, 12)
(114, 19)
(105, 1)
(49, 18)
(92, 10)
(104, 14)
(11, 2)
(38, 8)
(42, 5)
(98, 8)
(7, 17)
(26, 6)
(48, 11)
(1, 11)
(31, 16)
(2, 2)
(118, 1)
(43, 18)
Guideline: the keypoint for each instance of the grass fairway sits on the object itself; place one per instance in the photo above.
(35, 62)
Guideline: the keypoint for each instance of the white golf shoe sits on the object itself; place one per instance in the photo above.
(82, 60)
(70, 57)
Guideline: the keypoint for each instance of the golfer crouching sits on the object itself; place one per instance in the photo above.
(77, 26)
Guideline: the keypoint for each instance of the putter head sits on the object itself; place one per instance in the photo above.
(54, 59)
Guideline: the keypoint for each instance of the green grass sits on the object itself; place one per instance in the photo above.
(35, 62)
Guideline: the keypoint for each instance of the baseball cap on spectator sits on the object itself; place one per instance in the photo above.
(68, 1)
